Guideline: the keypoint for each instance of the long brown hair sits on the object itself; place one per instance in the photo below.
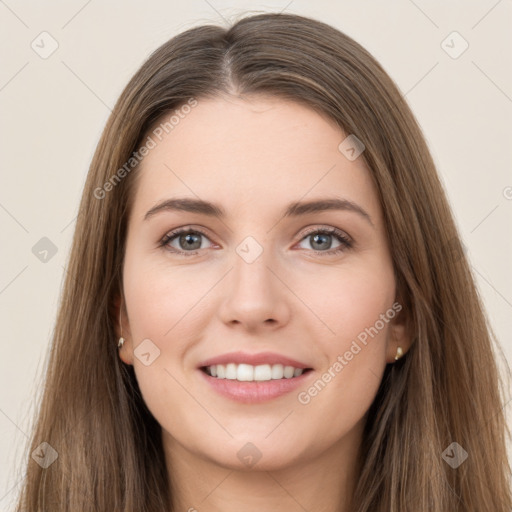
(446, 389)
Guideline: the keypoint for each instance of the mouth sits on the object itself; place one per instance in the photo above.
(251, 373)
(247, 384)
(254, 378)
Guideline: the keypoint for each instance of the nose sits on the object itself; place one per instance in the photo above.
(255, 296)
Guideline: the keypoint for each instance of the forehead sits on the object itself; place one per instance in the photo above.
(253, 150)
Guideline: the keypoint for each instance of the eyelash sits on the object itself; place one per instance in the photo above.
(346, 243)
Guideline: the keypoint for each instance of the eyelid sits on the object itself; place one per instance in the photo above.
(329, 229)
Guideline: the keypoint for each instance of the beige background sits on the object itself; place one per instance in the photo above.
(53, 111)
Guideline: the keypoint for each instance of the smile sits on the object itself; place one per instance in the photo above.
(253, 391)
(250, 373)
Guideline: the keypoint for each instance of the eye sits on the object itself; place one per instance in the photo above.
(322, 239)
(188, 241)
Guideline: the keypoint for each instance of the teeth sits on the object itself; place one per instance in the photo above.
(231, 371)
(249, 373)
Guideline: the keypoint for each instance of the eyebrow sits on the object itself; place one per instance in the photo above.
(294, 209)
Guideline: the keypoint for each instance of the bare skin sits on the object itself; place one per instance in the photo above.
(253, 157)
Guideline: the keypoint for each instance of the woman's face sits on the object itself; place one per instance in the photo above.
(259, 274)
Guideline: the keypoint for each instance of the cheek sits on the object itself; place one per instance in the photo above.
(167, 307)
(161, 313)
(353, 306)
(161, 300)
(351, 301)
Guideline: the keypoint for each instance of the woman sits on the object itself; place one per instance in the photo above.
(267, 306)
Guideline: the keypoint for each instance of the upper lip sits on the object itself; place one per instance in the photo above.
(253, 359)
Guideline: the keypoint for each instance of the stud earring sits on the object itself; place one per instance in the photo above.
(399, 353)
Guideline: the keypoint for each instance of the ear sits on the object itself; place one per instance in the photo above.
(121, 327)
(399, 334)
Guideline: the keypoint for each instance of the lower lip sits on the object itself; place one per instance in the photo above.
(254, 392)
